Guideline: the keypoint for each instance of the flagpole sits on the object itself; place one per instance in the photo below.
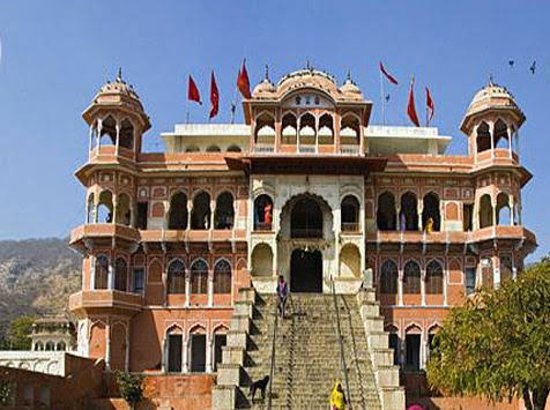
(233, 107)
(382, 103)
(187, 111)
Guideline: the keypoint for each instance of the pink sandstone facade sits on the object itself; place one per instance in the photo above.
(305, 188)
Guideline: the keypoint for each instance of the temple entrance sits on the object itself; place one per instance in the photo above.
(306, 271)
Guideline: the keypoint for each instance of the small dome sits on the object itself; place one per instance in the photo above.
(117, 95)
(492, 97)
(265, 87)
(350, 89)
(119, 86)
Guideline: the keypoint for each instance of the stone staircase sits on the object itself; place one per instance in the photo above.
(307, 358)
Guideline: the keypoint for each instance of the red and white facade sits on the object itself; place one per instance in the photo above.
(306, 188)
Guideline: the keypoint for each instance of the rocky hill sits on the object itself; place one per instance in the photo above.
(36, 277)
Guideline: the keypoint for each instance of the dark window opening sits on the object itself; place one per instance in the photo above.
(176, 277)
(142, 213)
(430, 212)
(198, 353)
(350, 214)
(178, 212)
(388, 278)
(468, 222)
(225, 214)
(138, 279)
(411, 279)
(394, 344)
(219, 342)
(408, 217)
(386, 215)
(470, 282)
(306, 220)
(200, 216)
(412, 356)
(174, 353)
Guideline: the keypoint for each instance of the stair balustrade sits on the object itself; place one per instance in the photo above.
(341, 344)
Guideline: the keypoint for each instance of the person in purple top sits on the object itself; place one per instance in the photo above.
(282, 295)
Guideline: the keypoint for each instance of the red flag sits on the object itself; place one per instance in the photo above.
(411, 110)
(390, 77)
(430, 106)
(214, 96)
(243, 84)
(193, 92)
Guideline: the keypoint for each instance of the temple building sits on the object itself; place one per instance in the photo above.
(306, 188)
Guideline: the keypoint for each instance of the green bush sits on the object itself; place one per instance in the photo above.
(130, 387)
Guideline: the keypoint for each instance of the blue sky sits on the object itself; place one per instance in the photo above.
(56, 54)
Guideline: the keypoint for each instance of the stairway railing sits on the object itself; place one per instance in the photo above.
(341, 343)
(273, 348)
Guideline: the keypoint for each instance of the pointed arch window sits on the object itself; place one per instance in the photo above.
(222, 277)
(199, 277)
(388, 278)
(176, 277)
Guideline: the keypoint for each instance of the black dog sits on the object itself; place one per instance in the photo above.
(258, 385)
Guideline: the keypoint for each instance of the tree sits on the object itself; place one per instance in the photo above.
(130, 387)
(497, 345)
(18, 335)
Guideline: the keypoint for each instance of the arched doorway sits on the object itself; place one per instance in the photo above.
(306, 271)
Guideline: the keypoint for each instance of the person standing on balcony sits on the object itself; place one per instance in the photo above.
(267, 214)
(429, 225)
(282, 295)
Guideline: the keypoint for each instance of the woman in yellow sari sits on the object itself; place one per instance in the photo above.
(337, 397)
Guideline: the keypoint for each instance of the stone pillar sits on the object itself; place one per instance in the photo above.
(492, 136)
(92, 272)
(115, 209)
(91, 144)
(184, 352)
(117, 137)
(111, 276)
(212, 212)
(512, 211)
(509, 134)
(98, 136)
(210, 288)
(108, 345)
(187, 290)
(208, 354)
(189, 211)
(445, 276)
(419, 210)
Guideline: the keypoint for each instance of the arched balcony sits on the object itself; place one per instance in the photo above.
(408, 217)
(201, 214)
(224, 215)
(178, 214)
(289, 129)
(350, 214)
(386, 216)
(263, 213)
